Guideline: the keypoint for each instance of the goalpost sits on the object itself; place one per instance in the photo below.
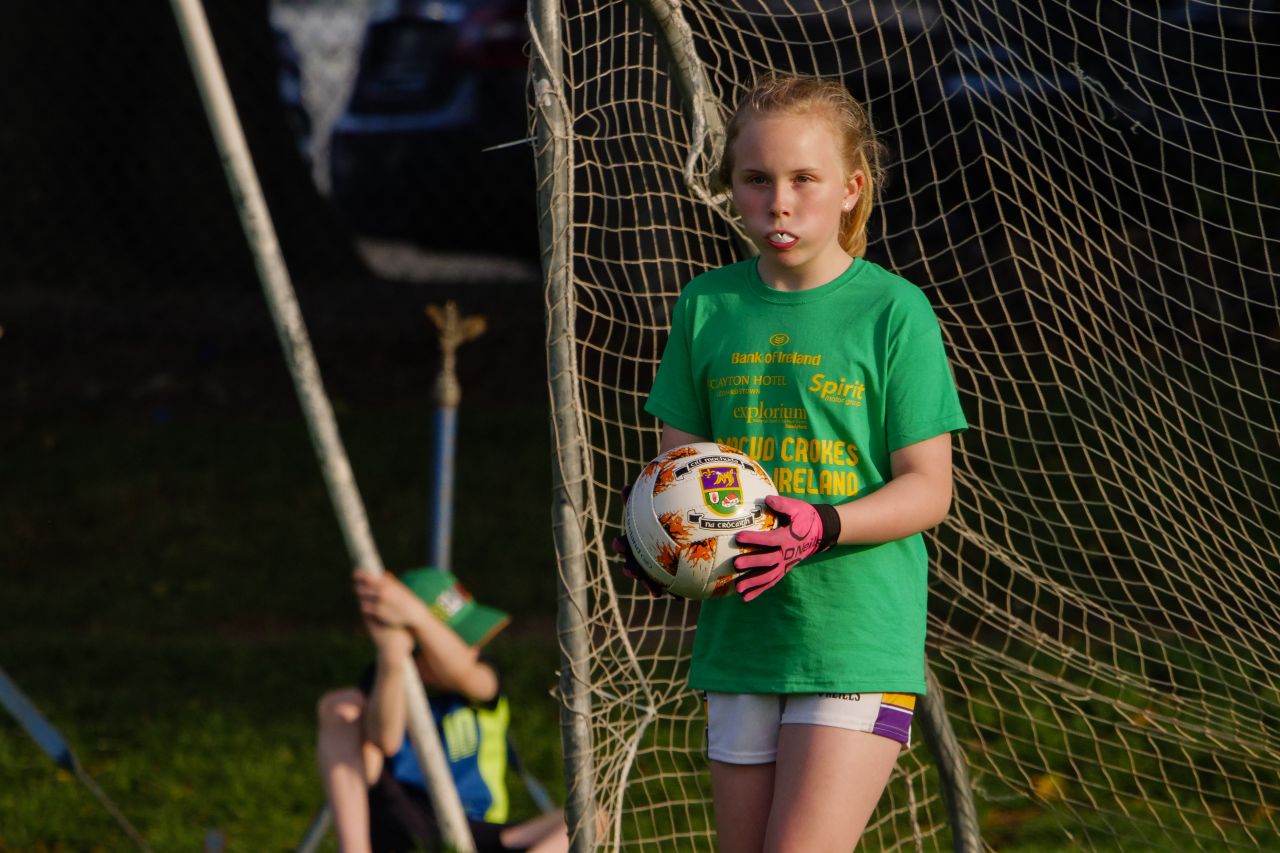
(242, 179)
(1088, 195)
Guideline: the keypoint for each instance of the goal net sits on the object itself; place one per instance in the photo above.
(1088, 193)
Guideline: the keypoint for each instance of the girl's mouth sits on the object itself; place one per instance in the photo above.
(781, 239)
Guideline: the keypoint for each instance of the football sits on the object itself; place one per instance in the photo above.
(684, 511)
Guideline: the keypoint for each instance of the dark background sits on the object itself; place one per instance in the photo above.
(174, 590)
(158, 478)
(126, 283)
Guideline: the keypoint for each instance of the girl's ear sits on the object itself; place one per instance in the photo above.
(853, 188)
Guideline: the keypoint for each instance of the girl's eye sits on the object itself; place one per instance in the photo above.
(803, 179)
(757, 180)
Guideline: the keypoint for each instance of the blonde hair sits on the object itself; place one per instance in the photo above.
(862, 151)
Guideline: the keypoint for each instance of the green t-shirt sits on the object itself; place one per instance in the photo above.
(819, 386)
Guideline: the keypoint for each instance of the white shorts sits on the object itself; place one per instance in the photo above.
(742, 728)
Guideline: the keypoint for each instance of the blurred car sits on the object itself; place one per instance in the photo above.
(289, 88)
(438, 83)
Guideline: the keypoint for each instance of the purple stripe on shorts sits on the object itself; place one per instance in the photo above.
(893, 722)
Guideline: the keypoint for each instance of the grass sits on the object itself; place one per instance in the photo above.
(202, 734)
(175, 596)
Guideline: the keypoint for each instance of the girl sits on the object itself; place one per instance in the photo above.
(811, 675)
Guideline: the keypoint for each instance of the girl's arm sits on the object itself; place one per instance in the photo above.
(917, 497)
(672, 437)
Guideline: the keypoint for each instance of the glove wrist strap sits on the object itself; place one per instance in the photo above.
(830, 526)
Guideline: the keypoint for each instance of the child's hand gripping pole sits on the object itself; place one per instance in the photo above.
(803, 530)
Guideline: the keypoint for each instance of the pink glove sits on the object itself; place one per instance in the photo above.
(803, 530)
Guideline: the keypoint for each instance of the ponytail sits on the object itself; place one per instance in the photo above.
(853, 223)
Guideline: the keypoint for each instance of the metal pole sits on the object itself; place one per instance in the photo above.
(454, 330)
(440, 513)
(554, 162)
(702, 108)
(53, 745)
(283, 303)
(953, 769)
(316, 831)
(675, 35)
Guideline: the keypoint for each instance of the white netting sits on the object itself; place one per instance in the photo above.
(1088, 194)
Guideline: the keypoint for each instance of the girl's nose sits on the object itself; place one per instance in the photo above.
(779, 202)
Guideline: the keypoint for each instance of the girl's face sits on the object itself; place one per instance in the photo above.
(790, 188)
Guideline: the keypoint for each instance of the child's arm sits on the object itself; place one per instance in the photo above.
(916, 498)
(386, 715)
(447, 662)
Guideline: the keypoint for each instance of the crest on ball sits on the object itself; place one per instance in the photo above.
(721, 492)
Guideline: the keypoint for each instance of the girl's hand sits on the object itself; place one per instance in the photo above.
(803, 530)
(630, 567)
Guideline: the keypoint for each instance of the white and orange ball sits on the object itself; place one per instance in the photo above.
(686, 508)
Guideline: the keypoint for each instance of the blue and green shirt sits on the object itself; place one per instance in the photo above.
(474, 738)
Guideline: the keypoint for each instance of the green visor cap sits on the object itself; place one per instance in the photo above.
(453, 605)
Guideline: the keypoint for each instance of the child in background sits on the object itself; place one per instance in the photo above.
(375, 787)
(811, 673)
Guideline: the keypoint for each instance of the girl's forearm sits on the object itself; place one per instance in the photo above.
(906, 505)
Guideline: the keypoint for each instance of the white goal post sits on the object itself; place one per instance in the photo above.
(1087, 194)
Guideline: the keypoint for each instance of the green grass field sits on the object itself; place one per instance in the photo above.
(174, 591)
(175, 596)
